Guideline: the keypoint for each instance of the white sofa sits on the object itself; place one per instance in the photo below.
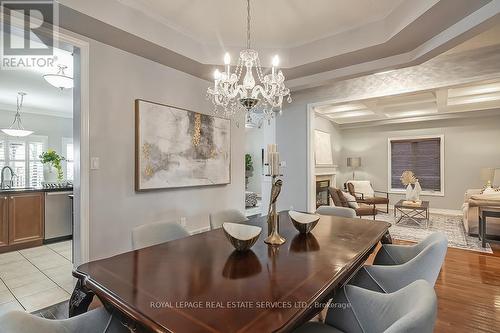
(471, 216)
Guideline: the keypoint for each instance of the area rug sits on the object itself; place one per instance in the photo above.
(451, 225)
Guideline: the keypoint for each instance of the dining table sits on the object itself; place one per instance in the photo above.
(202, 284)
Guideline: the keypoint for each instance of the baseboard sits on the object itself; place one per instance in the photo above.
(199, 230)
(454, 212)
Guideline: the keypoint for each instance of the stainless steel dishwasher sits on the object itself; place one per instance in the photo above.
(58, 219)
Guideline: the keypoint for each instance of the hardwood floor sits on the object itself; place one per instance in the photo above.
(468, 290)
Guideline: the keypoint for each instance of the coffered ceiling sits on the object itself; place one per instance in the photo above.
(473, 97)
(317, 40)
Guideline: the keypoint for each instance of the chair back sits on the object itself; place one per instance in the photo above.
(156, 233)
(356, 187)
(337, 197)
(228, 215)
(412, 309)
(336, 211)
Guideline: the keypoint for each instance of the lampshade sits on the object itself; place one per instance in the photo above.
(487, 175)
(354, 162)
(59, 80)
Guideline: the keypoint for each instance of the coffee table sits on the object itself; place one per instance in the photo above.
(418, 214)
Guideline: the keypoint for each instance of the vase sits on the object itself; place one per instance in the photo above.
(417, 191)
(409, 192)
(49, 173)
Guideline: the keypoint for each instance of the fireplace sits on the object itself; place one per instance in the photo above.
(322, 195)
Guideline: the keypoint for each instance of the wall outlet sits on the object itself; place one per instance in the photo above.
(183, 221)
(94, 163)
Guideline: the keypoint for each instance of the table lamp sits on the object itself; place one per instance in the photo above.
(353, 162)
(487, 175)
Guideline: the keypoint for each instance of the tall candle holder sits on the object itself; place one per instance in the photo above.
(273, 164)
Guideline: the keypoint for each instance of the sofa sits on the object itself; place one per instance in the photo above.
(471, 216)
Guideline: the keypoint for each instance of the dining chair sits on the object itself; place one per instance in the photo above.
(156, 233)
(398, 266)
(94, 321)
(228, 215)
(412, 309)
(336, 211)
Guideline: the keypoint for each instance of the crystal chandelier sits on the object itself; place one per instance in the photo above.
(230, 95)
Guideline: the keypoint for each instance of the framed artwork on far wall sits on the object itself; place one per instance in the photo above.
(176, 148)
(323, 149)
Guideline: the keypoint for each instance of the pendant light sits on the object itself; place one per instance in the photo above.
(60, 80)
(17, 128)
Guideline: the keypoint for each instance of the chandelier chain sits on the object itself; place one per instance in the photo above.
(248, 24)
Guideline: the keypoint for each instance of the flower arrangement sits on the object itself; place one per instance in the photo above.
(408, 177)
(53, 158)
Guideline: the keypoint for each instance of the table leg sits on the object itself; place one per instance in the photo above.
(482, 223)
(80, 299)
(386, 239)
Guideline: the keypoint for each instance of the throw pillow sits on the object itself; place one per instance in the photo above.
(351, 200)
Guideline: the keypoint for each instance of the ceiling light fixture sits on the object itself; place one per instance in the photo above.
(16, 128)
(229, 95)
(60, 80)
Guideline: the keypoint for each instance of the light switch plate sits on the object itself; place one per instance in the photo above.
(94, 163)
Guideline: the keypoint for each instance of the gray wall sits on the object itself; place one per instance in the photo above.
(55, 128)
(117, 78)
(470, 144)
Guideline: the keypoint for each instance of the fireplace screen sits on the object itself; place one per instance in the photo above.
(322, 197)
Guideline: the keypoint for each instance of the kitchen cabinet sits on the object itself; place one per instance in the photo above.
(26, 218)
(4, 221)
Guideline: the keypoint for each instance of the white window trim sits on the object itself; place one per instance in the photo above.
(389, 164)
(65, 141)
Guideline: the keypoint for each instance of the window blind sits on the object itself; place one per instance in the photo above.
(422, 156)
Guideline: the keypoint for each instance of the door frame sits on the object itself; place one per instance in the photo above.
(81, 111)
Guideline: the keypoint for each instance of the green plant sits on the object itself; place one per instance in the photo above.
(51, 157)
(248, 162)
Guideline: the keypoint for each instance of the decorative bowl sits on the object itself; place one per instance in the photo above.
(303, 222)
(241, 236)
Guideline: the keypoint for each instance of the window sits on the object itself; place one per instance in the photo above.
(422, 155)
(21, 154)
(67, 144)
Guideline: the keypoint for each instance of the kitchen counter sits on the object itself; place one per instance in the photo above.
(34, 189)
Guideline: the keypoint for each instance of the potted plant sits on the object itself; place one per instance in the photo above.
(248, 168)
(52, 169)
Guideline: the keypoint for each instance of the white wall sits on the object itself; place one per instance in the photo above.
(470, 144)
(55, 128)
(117, 78)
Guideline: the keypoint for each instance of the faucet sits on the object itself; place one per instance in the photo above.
(10, 182)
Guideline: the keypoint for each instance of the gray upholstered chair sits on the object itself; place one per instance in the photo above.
(336, 211)
(156, 233)
(95, 321)
(398, 266)
(412, 309)
(228, 215)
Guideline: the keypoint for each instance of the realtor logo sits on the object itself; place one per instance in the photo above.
(27, 33)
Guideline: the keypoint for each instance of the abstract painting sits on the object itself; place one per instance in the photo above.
(180, 148)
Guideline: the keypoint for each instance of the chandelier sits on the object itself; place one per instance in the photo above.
(232, 93)
(16, 128)
(60, 80)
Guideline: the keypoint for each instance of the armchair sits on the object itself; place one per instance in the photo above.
(340, 201)
(364, 193)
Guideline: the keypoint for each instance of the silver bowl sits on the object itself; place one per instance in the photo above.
(241, 236)
(303, 222)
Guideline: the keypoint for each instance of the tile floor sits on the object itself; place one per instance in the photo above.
(36, 278)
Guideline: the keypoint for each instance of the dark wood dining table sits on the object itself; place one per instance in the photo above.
(200, 284)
